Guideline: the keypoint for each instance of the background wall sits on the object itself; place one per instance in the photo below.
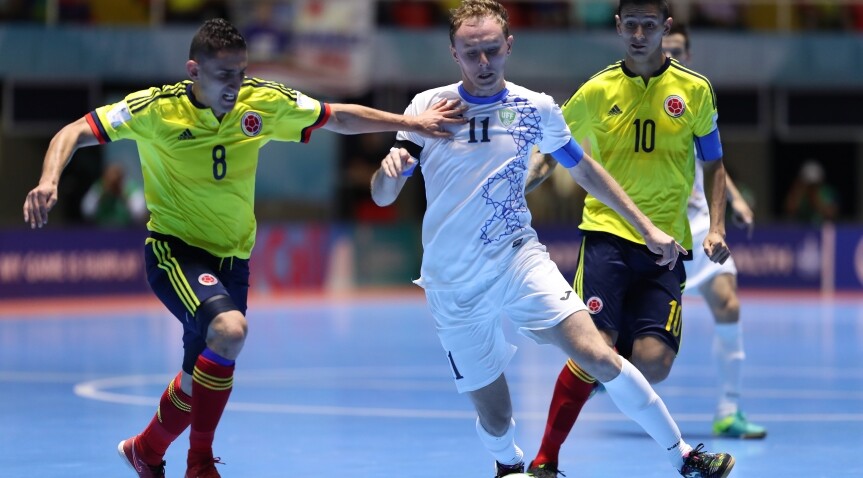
(788, 74)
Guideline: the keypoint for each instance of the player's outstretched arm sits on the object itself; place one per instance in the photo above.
(742, 214)
(43, 197)
(596, 181)
(356, 119)
(388, 180)
(539, 169)
(714, 188)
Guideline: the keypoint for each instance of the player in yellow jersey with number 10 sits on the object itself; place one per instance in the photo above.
(638, 118)
(198, 142)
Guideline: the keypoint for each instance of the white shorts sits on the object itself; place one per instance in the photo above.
(701, 269)
(532, 293)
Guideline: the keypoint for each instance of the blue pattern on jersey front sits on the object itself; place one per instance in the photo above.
(525, 131)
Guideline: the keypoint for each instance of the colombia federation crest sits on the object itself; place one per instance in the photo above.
(675, 106)
(251, 124)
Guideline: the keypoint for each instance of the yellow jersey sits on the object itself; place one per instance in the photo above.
(642, 134)
(199, 172)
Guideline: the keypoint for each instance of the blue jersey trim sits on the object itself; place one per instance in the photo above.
(569, 155)
(482, 100)
(709, 146)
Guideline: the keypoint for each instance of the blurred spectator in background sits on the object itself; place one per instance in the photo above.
(22, 11)
(548, 14)
(713, 14)
(856, 13)
(120, 12)
(267, 35)
(593, 13)
(823, 15)
(195, 11)
(74, 11)
(811, 200)
(409, 14)
(112, 201)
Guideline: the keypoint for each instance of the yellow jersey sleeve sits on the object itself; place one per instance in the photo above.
(296, 114)
(126, 119)
(577, 114)
(705, 123)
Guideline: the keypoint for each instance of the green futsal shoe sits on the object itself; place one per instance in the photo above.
(737, 426)
(545, 470)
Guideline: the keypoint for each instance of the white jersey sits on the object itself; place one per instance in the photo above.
(476, 213)
(698, 199)
(701, 269)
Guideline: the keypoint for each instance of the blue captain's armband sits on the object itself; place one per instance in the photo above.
(709, 147)
(568, 155)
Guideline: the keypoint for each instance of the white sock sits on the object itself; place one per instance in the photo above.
(633, 395)
(729, 355)
(503, 449)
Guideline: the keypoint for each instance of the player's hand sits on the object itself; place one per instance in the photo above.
(716, 248)
(433, 121)
(396, 162)
(39, 201)
(665, 246)
(742, 216)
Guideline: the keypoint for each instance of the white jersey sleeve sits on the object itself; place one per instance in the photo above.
(698, 199)
(556, 134)
(417, 106)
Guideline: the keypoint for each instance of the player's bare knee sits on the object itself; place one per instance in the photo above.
(654, 372)
(721, 296)
(230, 327)
(223, 325)
(186, 383)
(655, 369)
(729, 311)
(653, 358)
(725, 308)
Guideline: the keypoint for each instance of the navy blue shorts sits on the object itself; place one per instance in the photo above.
(183, 277)
(625, 291)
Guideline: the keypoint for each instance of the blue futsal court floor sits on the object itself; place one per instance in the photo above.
(359, 387)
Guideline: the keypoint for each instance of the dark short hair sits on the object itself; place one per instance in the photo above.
(477, 8)
(215, 35)
(680, 28)
(661, 4)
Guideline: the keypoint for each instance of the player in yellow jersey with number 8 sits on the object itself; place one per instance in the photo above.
(198, 142)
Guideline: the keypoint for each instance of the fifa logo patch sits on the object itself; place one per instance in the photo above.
(674, 106)
(251, 124)
(207, 279)
(594, 305)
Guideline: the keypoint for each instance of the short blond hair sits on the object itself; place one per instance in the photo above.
(477, 9)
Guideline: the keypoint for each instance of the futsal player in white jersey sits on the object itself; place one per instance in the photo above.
(482, 259)
(717, 283)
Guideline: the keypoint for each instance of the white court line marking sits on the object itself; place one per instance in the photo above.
(98, 390)
(378, 375)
